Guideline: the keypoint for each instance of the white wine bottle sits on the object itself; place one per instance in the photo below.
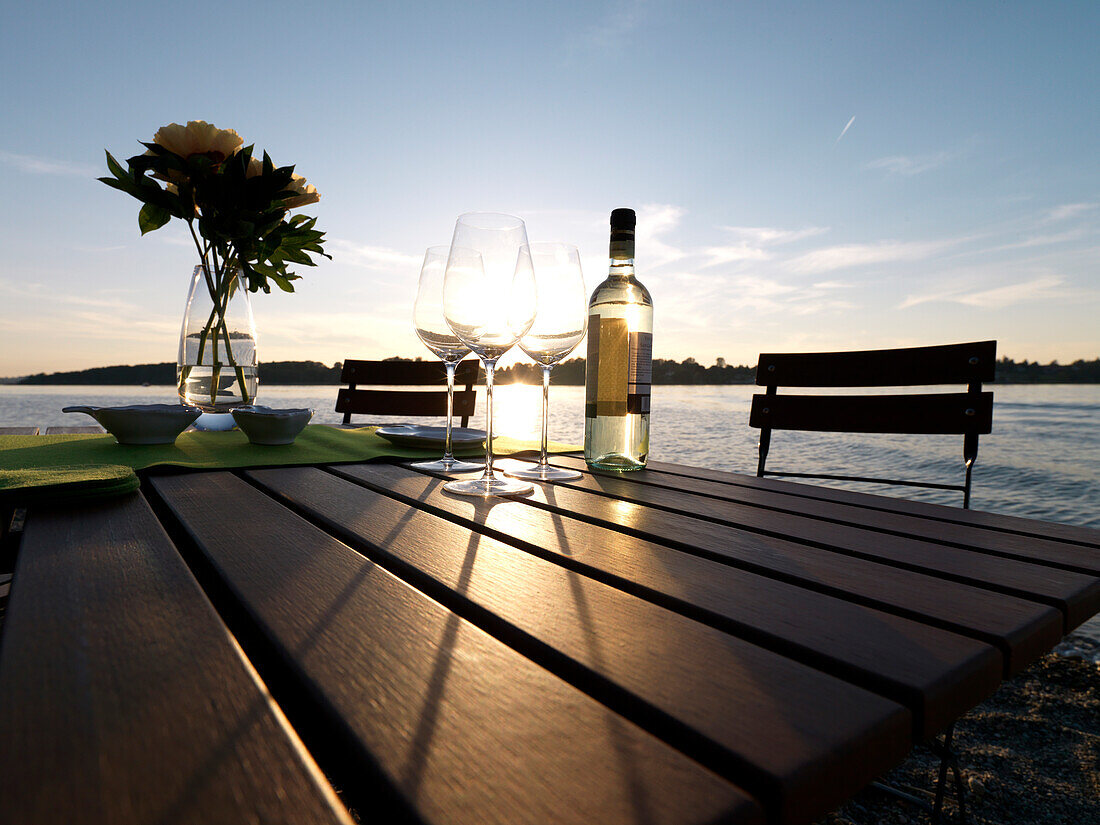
(619, 366)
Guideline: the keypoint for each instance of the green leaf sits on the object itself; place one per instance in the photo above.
(116, 168)
(122, 187)
(152, 217)
(283, 283)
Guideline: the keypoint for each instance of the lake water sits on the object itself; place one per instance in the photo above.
(1042, 459)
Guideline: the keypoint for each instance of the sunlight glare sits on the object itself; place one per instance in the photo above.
(517, 411)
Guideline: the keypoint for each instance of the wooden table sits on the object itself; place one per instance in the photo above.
(671, 646)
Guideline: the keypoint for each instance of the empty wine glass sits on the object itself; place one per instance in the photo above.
(559, 326)
(489, 301)
(432, 327)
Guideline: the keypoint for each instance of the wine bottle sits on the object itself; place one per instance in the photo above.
(620, 360)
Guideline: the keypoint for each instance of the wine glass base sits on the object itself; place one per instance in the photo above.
(485, 487)
(456, 465)
(543, 472)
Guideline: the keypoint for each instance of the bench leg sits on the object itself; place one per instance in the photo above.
(949, 760)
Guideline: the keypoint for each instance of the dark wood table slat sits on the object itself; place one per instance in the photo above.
(1076, 594)
(463, 727)
(84, 429)
(1035, 528)
(123, 698)
(778, 726)
(937, 674)
(1023, 630)
(998, 544)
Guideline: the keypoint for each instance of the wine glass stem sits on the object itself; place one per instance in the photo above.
(543, 459)
(447, 455)
(490, 366)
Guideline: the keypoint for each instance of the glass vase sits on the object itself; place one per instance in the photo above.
(216, 367)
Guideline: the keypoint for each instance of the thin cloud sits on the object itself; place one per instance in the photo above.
(45, 292)
(1045, 286)
(752, 240)
(1043, 240)
(1067, 211)
(844, 131)
(654, 222)
(773, 235)
(909, 165)
(47, 166)
(374, 257)
(717, 255)
(845, 256)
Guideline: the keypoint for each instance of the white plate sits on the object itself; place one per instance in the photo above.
(414, 435)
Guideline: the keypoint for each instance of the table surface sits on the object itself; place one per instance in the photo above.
(674, 645)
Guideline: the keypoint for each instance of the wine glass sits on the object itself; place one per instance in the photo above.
(437, 336)
(489, 301)
(559, 326)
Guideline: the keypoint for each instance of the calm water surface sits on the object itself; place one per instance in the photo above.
(1042, 459)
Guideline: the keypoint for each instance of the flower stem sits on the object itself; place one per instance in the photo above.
(219, 277)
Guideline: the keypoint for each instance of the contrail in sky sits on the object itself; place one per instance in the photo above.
(846, 128)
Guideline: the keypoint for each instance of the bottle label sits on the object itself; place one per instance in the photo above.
(640, 376)
(623, 364)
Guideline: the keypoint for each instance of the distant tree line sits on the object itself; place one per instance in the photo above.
(665, 371)
(1032, 372)
(571, 372)
(271, 372)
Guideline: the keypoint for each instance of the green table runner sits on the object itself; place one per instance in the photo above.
(34, 467)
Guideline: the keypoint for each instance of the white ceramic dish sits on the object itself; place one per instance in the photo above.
(415, 435)
(142, 423)
(271, 428)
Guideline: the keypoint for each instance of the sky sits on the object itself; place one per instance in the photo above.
(807, 176)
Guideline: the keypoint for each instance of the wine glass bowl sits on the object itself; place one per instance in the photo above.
(436, 334)
(559, 326)
(489, 302)
(562, 317)
(488, 314)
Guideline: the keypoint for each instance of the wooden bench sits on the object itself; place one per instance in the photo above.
(351, 399)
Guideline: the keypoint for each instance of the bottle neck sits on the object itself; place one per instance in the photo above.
(622, 254)
(621, 268)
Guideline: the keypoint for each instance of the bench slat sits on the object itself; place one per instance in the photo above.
(1023, 630)
(1076, 594)
(124, 699)
(780, 728)
(441, 709)
(996, 522)
(937, 674)
(1003, 544)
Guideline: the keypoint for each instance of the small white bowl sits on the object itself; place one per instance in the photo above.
(269, 427)
(142, 423)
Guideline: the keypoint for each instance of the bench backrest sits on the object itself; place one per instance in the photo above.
(967, 413)
(351, 399)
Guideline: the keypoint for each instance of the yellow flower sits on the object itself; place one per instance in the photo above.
(305, 194)
(198, 138)
(255, 167)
